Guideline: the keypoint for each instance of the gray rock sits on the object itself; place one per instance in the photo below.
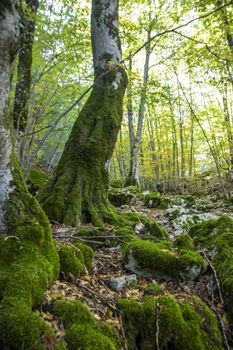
(132, 265)
(119, 283)
(190, 274)
(139, 228)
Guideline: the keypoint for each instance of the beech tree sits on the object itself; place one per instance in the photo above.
(28, 261)
(78, 191)
(23, 85)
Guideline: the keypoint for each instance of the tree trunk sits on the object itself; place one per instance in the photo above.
(22, 90)
(78, 191)
(133, 177)
(28, 261)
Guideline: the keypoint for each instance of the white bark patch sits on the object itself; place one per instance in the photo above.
(117, 82)
(105, 39)
(5, 174)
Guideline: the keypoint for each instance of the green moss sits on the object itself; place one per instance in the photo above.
(71, 260)
(153, 289)
(28, 265)
(117, 183)
(151, 227)
(85, 337)
(87, 253)
(119, 197)
(21, 328)
(182, 325)
(155, 259)
(36, 180)
(72, 312)
(60, 346)
(78, 191)
(217, 237)
(155, 200)
(184, 242)
(82, 330)
(162, 260)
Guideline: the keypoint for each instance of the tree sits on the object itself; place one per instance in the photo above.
(28, 261)
(23, 86)
(78, 191)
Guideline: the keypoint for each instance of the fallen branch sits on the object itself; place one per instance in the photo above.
(215, 276)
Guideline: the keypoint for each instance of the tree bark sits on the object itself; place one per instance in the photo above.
(28, 261)
(22, 90)
(133, 177)
(78, 191)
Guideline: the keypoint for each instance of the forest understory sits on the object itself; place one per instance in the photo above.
(110, 279)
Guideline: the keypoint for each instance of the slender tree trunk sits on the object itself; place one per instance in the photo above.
(22, 91)
(152, 147)
(227, 119)
(130, 106)
(78, 191)
(28, 261)
(134, 177)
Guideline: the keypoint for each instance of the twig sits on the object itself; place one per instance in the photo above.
(224, 333)
(75, 280)
(79, 239)
(158, 311)
(166, 31)
(215, 276)
(123, 332)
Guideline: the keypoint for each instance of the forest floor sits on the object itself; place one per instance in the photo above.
(94, 290)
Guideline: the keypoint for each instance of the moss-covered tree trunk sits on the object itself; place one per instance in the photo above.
(22, 90)
(28, 261)
(78, 191)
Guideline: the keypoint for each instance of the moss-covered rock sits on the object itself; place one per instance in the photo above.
(149, 227)
(82, 330)
(119, 197)
(155, 200)
(72, 312)
(20, 328)
(217, 237)
(188, 325)
(153, 289)
(75, 259)
(162, 260)
(36, 180)
(117, 183)
(184, 242)
(80, 336)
